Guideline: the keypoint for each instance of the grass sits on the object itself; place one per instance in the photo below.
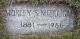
(68, 35)
(1, 3)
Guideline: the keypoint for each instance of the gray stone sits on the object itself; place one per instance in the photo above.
(26, 19)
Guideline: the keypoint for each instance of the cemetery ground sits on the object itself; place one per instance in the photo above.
(75, 34)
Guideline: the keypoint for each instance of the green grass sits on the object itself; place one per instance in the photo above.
(68, 35)
(1, 3)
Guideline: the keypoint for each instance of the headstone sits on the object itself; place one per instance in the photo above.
(28, 19)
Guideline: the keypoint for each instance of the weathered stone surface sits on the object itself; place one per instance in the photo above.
(26, 19)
